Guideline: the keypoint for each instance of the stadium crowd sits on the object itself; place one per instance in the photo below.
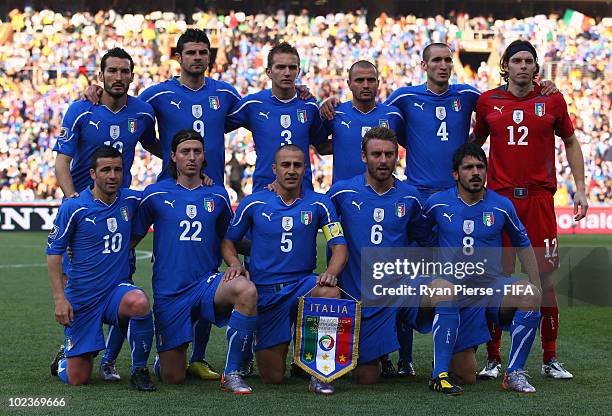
(47, 59)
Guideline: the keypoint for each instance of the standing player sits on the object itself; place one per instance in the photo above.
(354, 118)
(278, 116)
(121, 121)
(377, 210)
(97, 226)
(470, 220)
(522, 123)
(284, 228)
(190, 221)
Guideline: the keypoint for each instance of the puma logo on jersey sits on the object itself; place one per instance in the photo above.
(420, 106)
(498, 108)
(95, 124)
(91, 220)
(268, 216)
(358, 205)
(348, 125)
(178, 105)
(448, 216)
(169, 202)
(261, 113)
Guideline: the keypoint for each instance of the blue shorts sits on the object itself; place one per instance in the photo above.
(377, 335)
(277, 311)
(174, 316)
(473, 329)
(85, 334)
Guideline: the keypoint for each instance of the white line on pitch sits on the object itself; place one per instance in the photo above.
(140, 255)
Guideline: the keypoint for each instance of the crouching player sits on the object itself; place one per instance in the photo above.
(470, 220)
(97, 226)
(284, 229)
(189, 221)
(377, 210)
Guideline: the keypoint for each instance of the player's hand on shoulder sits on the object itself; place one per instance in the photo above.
(328, 108)
(580, 201)
(235, 270)
(304, 92)
(73, 195)
(273, 187)
(548, 87)
(93, 94)
(63, 312)
(327, 279)
(206, 180)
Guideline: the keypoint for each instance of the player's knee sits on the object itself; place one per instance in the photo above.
(443, 291)
(464, 378)
(271, 377)
(529, 295)
(173, 377)
(326, 292)
(78, 378)
(136, 303)
(367, 373)
(246, 292)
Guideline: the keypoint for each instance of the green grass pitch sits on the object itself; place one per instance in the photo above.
(29, 338)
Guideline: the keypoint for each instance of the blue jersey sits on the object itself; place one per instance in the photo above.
(436, 125)
(189, 225)
(372, 220)
(348, 127)
(284, 237)
(274, 123)
(99, 236)
(178, 107)
(467, 228)
(86, 127)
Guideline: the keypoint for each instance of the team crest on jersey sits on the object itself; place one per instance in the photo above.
(287, 223)
(214, 102)
(306, 217)
(125, 213)
(441, 113)
(456, 104)
(517, 116)
(191, 211)
(487, 218)
(540, 109)
(302, 116)
(400, 209)
(114, 132)
(111, 223)
(285, 121)
(196, 110)
(468, 226)
(132, 125)
(54, 232)
(63, 134)
(379, 214)
(383, 123)
(209, 204)
(364, 130)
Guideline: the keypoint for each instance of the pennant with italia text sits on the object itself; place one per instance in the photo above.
(326, 336)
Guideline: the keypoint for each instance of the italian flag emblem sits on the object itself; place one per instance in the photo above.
(456, 104)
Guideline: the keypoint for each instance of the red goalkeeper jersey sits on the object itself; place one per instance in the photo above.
(522, 130)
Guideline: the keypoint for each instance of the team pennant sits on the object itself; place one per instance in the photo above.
(326, 336)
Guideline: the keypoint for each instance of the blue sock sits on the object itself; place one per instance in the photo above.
(445, 328)
(157, 368)
(140, 337)
(201, 335)
(239, 340)
(522, 332)
(405, 338)
(62, 370)
(114, 342)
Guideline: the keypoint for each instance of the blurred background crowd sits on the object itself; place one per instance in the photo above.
(47, 59)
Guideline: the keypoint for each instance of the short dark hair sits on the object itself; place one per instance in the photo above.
(191, 35)
(180, 137)
(283, 47)
(517, 46)
(116, 53)
(104, 152)
(427, 50)
(468, 149)
(293, 147)
(380, 133)
(362, 64)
